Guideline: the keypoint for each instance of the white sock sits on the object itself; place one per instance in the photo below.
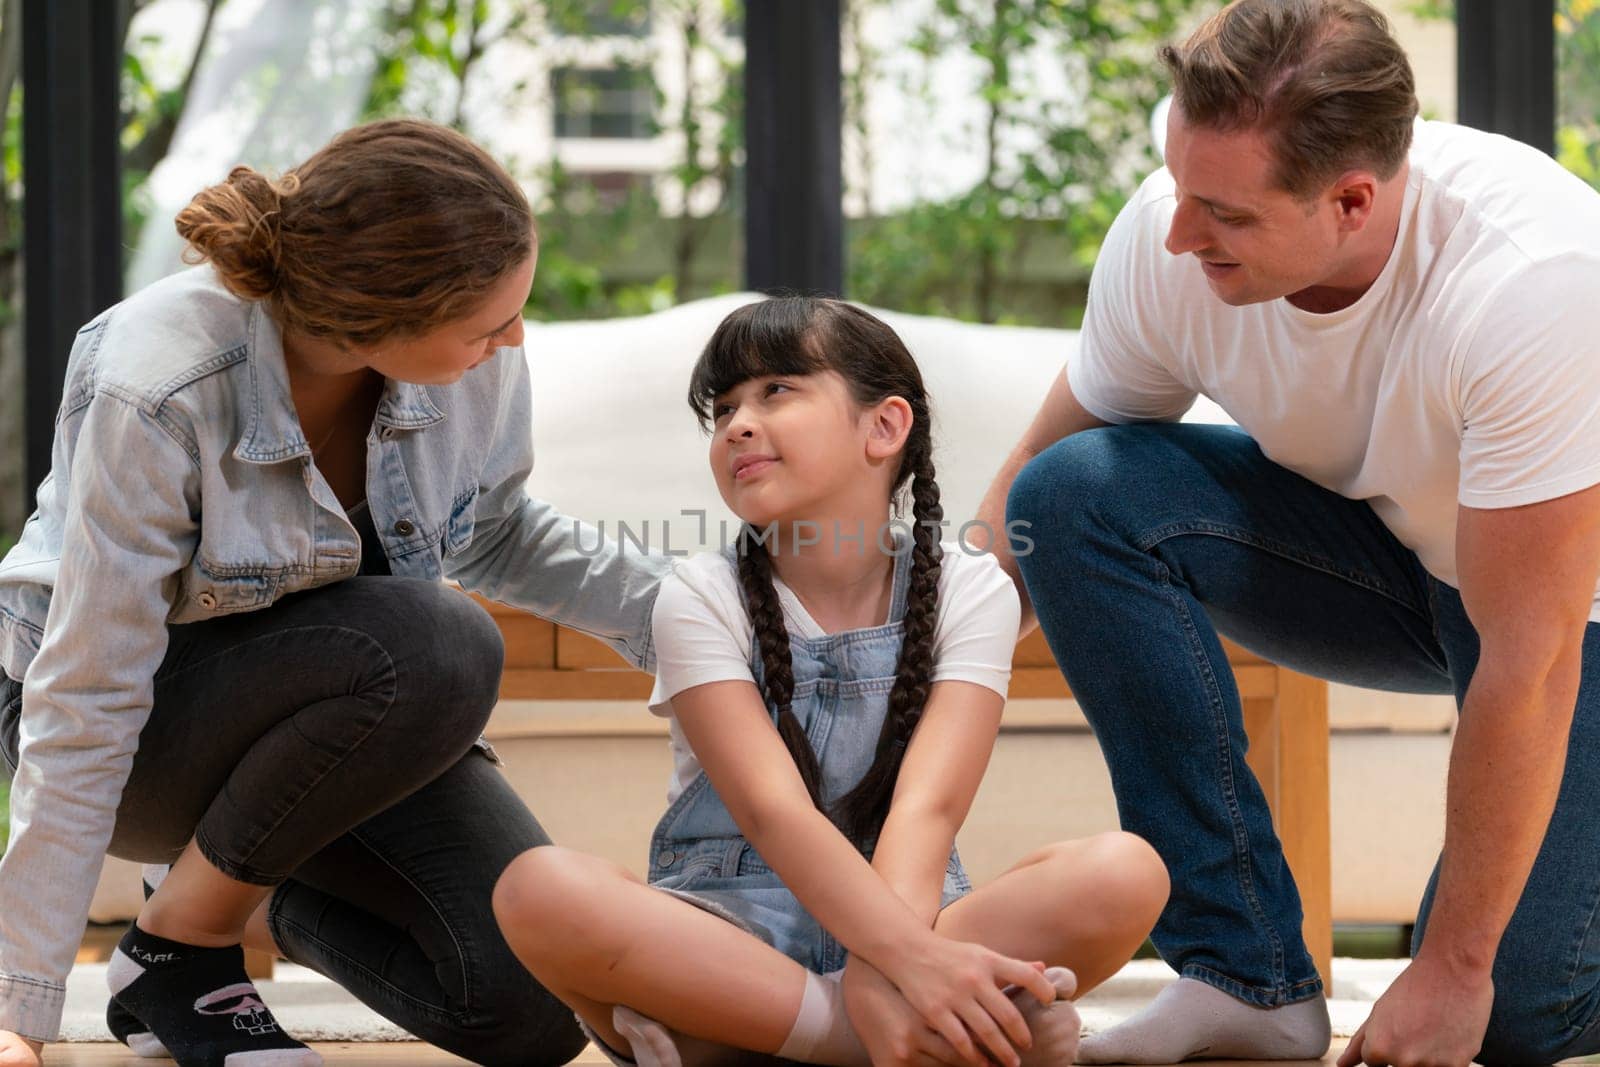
(1055, 1026)
(822, 1032)
(1192, 1020)
(655, 1045)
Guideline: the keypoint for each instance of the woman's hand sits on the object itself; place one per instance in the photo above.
(19, 1051)
(959, 990)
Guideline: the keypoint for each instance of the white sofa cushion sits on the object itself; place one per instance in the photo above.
(614, 439)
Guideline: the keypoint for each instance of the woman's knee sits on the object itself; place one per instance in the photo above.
(518, 1023)
(437, 658)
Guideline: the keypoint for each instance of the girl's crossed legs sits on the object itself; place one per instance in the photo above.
(595, 935)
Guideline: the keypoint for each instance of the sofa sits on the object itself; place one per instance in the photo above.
(615, 443)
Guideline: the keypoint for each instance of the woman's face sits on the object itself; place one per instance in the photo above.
(443, 355)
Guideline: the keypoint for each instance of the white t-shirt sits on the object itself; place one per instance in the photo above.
(703, 632)
(1468, 374)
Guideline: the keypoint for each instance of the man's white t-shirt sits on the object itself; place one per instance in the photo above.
(1468, 374)
(703, 632)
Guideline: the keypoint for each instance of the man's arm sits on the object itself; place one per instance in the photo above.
(1527, 581)
(1059, 416)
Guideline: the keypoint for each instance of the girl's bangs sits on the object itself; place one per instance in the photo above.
(758, 340)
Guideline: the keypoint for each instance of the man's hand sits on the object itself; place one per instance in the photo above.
(19, 1051)
(890, 1028)
(1432, 1016)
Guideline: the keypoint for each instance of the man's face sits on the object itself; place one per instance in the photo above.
(1254, 241)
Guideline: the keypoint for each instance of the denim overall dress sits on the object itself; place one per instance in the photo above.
(841, 695)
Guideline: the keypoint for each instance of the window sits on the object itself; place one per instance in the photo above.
(616, 102)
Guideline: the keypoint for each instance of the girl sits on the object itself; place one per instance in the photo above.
(224, 644)
(835, 688)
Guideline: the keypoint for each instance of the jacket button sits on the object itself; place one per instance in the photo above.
(405, 528)
(207, 601)
(667, 858)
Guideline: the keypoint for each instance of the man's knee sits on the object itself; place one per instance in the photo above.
(1075, 471)
(1531, 1025)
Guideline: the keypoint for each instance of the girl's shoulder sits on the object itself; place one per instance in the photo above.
(703, 584)
(967, 573)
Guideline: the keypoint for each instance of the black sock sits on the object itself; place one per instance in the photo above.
(199, 1004)
(124, 1024)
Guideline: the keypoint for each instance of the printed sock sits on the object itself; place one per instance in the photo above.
(123, 1024)
(1192, 1020)
(198, 1003)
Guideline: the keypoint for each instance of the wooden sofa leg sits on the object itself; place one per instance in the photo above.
(1288, 733)
(258, 964)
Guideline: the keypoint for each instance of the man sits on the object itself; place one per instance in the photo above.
(1404, 319)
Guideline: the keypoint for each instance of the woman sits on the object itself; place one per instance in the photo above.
(224, 638)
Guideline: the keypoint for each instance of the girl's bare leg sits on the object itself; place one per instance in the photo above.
(1086, 904)
(596, 936)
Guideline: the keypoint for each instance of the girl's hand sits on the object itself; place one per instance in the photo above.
(894, 1034)
(19, 1051)
(959, 990)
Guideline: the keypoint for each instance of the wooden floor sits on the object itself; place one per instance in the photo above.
(393, 1055)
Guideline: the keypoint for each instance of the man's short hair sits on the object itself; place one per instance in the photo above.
(1324, 80)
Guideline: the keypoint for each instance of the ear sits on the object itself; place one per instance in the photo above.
(1354, 197)
(888, 424)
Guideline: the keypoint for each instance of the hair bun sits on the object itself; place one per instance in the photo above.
(237, 226)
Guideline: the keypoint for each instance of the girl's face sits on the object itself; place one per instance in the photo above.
(442, 356)
(789, 447)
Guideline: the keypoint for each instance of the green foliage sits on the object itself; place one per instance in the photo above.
(1058, 167)
(1578, 88)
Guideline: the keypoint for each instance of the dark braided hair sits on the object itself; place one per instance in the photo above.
(807, 335)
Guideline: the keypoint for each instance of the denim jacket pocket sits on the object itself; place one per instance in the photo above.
(216, 594)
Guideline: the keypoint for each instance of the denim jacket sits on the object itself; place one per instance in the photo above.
(181, 489)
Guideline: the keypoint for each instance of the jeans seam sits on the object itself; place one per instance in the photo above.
(273, 635)
(1150, 538)
(1243, 864)
(1582, 1027)
(461, 952)
(348, 752)
(442, 1015)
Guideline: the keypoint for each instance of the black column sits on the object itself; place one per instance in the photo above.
(794, 210)
(1506, 68)
(72, 224)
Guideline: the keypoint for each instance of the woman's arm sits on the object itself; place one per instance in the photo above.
(526, 553)
(129, 524)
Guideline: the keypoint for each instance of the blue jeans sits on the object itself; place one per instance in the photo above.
(1149, 541)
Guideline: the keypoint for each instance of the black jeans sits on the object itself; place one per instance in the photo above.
(325, 745)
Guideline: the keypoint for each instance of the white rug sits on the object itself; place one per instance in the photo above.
(314, 1009)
